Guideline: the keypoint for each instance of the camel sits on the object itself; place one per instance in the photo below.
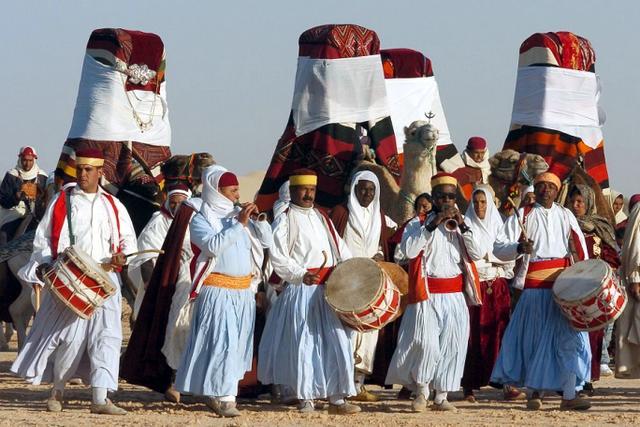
(419, 166)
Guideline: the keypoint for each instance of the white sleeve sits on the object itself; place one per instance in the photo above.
(505, 248)
(128, 242)
(414, 239)
(282, 263)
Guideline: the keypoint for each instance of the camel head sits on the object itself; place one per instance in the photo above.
(504, 163)
(420, 138)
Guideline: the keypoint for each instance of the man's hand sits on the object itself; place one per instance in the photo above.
(311, 278)
(41, 270)
(525, 247)
(118, 260)
(247, 211)
(19, 195)
(634, 290)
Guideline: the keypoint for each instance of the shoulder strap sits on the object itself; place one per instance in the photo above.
(72, 239)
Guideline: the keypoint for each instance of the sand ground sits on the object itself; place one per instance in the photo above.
(615, 402)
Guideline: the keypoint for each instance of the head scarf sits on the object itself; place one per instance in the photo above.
(363, 235)
(284, 197)
(215, 206)
(621, 215)
(484, 230)
(31, 173)
(591, 222)
(484, 165)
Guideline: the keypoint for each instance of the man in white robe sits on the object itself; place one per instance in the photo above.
(362, 232)
(61, 345)
(628, 325)
(434, 332)
(540, 350)
(151, 238)
(304, 345)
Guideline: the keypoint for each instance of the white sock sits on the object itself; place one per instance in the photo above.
(226, 398)
(336, 399)
(422, 389)
(569, 387)
(99, 395)
(308, 401)
(441, 396)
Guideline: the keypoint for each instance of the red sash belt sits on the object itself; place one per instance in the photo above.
(322, 272)
(445, 286)
(542, 274)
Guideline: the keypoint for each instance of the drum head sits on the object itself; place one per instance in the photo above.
(90, 267)
(354, 284)
(581, 279)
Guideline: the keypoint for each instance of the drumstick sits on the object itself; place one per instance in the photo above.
(324, 254)
(522, 227)
(146, 251)
(37, 291)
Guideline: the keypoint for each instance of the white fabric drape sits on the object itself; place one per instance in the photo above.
(103, 111)
(362, 234)
(344, 90)
(409, 100)
(559, 99)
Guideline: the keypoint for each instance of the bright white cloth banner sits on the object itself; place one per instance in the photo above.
(409, 100)
(104, 113)
(345, 90)
(559, 99)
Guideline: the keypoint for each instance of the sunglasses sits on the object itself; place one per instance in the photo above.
(450, 196)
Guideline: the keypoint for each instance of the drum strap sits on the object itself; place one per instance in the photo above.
(72, 239)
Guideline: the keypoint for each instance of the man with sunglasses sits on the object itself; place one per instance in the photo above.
(432, 346)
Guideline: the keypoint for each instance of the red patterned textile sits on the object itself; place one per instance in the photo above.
(333, 149)
(405, 63)
(560, 150)
(488, 323)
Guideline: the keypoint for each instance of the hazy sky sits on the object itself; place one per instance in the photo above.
(231, 66)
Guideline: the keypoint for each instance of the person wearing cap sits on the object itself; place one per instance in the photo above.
(219, 349)
(61, 345)
(476, 156)
(304, 345)
(152, 237)
(434, 333)
(628, 325)
(540, 350)
(365, 230)
(21, 192)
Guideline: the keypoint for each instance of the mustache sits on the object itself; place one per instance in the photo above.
(308, 199)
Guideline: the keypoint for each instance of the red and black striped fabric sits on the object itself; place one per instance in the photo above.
(560, 150)
(332, 149)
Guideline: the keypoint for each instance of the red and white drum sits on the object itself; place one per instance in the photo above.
(362, 294)
(79, 282)
(590, 295)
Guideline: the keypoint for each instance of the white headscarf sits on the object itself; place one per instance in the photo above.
(215, 206)
(284, 197)
(27, 175)
(621, 215)
(363, 237)
(484, 165)
(484, 230)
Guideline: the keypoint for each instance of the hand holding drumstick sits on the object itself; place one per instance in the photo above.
(314, 278)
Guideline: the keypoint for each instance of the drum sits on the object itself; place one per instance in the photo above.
(79, 282)
(362, 294)
(589, 295)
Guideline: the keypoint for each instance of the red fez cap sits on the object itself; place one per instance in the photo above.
(177, 186)
(633, 200)
(227, 179)
(90, 156)
(477, 143)
(28, 151)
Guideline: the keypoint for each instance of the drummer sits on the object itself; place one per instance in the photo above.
(434, 332)
(365, 230)
(61, 345)
(601, 243)
(304, 345)
(540, 349)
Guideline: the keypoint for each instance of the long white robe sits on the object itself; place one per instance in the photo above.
(434, 334)
(60, 344)
(151, 237)
(304, 345)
